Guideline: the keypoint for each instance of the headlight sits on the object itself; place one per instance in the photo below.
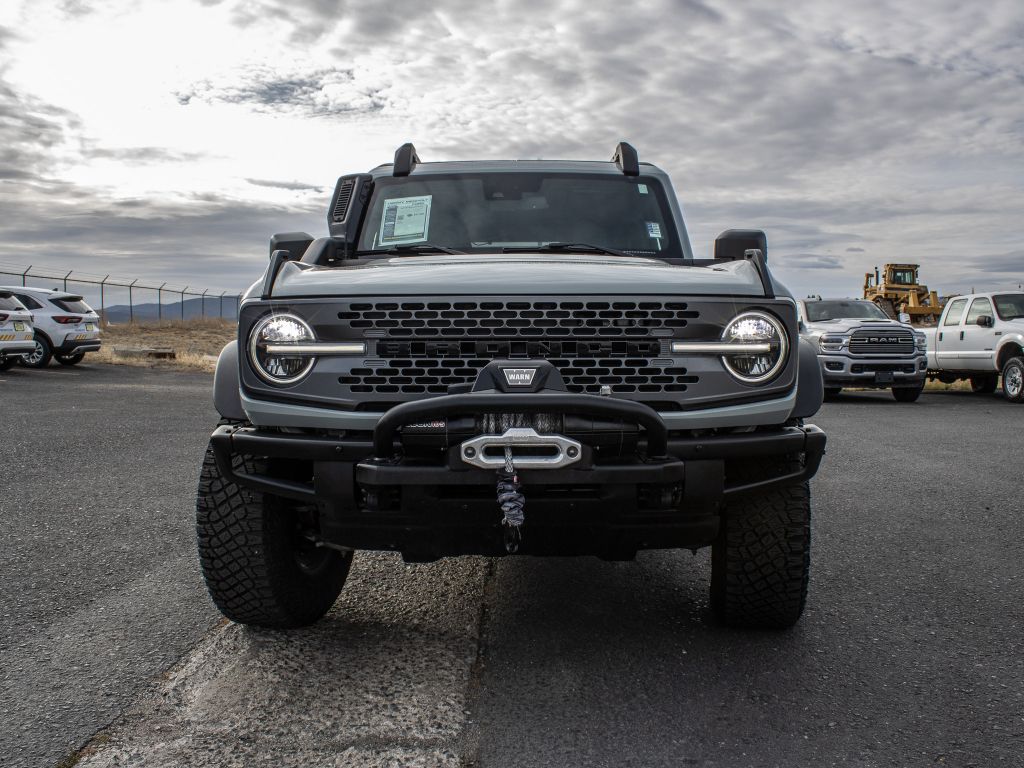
(921, 342)
(755, 328)
(280, 330)
(831, 343)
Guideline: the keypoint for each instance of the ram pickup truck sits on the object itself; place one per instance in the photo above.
(978, 338)
(859, 346)
(519, 357)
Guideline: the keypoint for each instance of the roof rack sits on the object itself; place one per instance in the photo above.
(405, 159)
(625, 157)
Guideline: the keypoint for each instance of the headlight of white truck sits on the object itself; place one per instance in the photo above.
(831, 343)
(763, 332)
(271, 362)
(920, 342)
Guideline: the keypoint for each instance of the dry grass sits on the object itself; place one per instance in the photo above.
(196, 343)
(934, 385)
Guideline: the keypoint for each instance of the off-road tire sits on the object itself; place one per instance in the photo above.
(984, 384)
(760, 563)
(1013, 379)
(251, 554)
(832, 392)
(906, 394)
(40, 355)
(73, 359)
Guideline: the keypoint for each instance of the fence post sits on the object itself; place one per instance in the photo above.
(131, 303)
(23, 283)
(103, 303)
(183, 303)
(160, 303)
(66, 280)
(203, 300)
(220, 309)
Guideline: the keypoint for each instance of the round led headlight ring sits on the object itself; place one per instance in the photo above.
(756, 328)
(280, 330)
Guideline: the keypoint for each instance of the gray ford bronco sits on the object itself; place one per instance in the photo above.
(510, 357)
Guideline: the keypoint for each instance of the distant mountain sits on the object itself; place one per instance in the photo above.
(193, 308)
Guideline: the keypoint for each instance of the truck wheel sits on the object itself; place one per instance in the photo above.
(1013, 379)
(832, 392)
(984, 385)
(906, 394)
(40, 356)
(259, 565)
(73, 359)
(761, 561)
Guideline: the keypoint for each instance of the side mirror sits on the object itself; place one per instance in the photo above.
(985, 321)
(295, 243)
(732, 244)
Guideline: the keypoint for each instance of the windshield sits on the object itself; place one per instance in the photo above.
(817, 311)
(487, 212)
(72, 304)
(1009, 305)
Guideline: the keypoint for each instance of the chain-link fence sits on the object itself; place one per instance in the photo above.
(120, 299)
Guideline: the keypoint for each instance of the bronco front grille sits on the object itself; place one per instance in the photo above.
(881, 343)
(428, 347)
(461, 319)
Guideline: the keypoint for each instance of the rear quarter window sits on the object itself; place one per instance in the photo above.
(9, 302)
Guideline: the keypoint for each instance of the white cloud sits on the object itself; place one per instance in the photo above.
(852, 134)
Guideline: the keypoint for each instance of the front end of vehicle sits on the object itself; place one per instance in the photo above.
(882, 356)
(631, 419)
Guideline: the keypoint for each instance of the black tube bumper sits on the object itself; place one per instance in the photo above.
(669, 497)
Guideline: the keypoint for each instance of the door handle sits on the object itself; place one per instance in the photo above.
(961, 335)
(940, 335)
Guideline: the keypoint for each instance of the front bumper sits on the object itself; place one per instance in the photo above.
(667, 493)
(838, 370)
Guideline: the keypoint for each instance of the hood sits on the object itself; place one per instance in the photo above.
(848, 325)
(518, 273)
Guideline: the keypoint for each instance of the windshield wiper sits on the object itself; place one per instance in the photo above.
(413, 248)
(567, 247)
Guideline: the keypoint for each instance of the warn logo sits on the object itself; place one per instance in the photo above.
(519, 377)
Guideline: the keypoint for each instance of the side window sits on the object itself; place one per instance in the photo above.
(955, 312)
(28, 301)
(978, 308)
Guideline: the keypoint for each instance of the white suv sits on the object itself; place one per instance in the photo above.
(65, 326)
(16, 334)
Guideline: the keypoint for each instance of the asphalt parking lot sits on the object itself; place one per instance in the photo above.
(909, 653)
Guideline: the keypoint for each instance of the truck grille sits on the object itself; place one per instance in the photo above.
(427, 347)
(462, 319)
(881, 343)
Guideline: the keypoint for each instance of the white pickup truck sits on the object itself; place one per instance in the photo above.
(978, 338)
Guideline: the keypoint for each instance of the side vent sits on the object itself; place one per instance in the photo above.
(346, 210)
(344, 197)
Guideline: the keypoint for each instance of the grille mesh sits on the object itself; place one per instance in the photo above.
(427, 347)
(881, 343)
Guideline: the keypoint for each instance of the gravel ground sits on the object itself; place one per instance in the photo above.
(909, 652)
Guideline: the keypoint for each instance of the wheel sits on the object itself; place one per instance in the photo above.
(984, 384)
(257, 559)
(72, 359)
(761, 561)
(40, 356)
(831, 392)
(906, 394)
(6, 363)
(1013, 379)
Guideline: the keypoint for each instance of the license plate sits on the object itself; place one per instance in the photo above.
(884, 377)
(19, 326)
(90, 327)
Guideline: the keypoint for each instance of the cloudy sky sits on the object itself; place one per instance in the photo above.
(168, 140)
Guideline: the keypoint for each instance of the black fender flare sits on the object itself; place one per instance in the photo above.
(810, 389)
(226, 397)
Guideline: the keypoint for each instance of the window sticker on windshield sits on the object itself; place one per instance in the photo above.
(642, 188)
(405, 220)
(654, 229)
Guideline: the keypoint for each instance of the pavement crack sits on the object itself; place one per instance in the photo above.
(469, 740)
